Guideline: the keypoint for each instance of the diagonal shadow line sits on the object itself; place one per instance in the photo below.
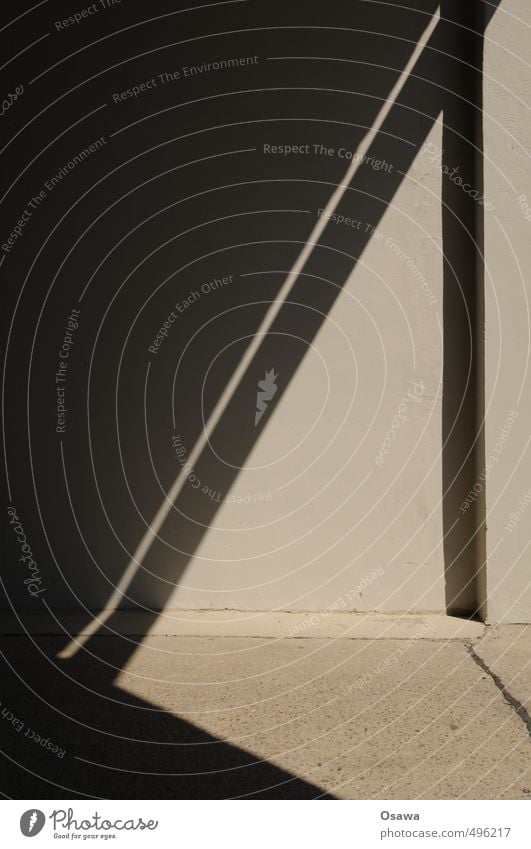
(487, 9)
(421, 65)
(253, 352)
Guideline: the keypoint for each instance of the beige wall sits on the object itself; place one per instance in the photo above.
(352, 490)
(507, 142)
(338, 513)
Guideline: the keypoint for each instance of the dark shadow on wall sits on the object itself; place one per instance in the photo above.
(458, 225)
(224, 770)
(463, 378)
(484, 13)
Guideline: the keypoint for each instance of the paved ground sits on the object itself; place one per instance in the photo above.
(269, 706)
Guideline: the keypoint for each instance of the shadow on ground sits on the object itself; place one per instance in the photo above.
(76, 706)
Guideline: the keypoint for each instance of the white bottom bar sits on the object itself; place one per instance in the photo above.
(241, 825)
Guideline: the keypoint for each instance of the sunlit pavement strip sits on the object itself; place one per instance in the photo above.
(231, 623)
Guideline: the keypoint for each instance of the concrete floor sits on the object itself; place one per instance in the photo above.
(223, 705)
